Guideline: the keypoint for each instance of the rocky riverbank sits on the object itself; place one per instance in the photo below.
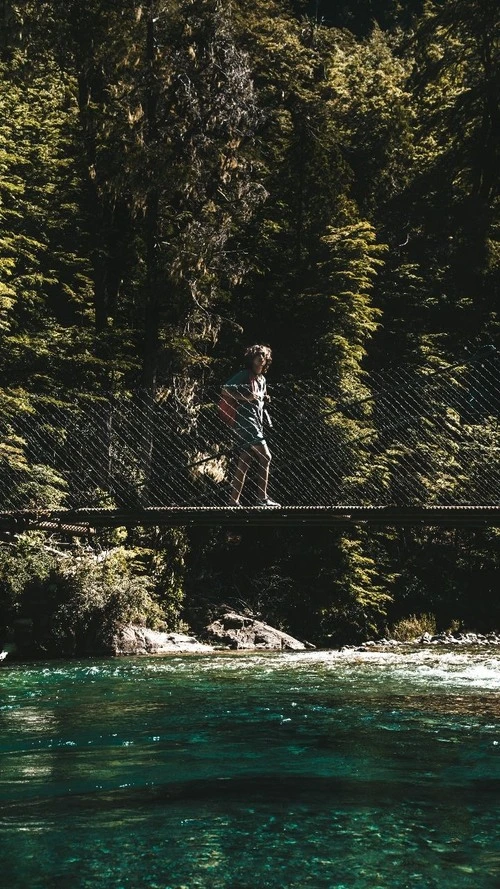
(238, 632)
(455, 639)
(230, 632)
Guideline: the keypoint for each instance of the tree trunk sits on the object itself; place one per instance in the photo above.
(152, 309)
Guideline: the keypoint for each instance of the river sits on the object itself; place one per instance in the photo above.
(317, 769)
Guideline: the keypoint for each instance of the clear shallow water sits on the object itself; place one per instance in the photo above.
(343, 771)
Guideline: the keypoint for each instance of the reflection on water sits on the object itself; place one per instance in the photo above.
(311, 769)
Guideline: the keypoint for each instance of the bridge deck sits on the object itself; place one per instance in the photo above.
(85, 520)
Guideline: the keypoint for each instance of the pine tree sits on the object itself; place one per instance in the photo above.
(45, 287)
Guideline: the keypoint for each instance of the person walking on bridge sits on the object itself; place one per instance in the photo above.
(247, 390)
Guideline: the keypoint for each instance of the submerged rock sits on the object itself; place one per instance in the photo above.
(135, 640)
(239, 632)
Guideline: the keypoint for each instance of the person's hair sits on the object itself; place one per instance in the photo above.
(252, 351)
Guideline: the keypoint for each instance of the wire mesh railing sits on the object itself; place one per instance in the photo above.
(414, 437)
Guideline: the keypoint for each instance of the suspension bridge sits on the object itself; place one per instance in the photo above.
(412, 446)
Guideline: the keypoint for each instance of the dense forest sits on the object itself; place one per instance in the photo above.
(181, 179)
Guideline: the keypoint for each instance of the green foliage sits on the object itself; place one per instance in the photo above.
(359, 590)
(23, 562)
(86, 602)
(352, 263)
(178, 179)
(45, 290)
(75, 600)
(162, 557)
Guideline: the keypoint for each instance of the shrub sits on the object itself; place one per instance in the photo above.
(74, 601)
(409, 628)
(21, 562)
(91, 599)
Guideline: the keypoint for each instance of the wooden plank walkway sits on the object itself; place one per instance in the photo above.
(83, 521)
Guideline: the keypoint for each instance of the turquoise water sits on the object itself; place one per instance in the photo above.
(343, 771)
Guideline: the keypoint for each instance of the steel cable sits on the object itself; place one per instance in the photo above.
(415, 438)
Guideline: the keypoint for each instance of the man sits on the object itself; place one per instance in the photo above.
(248, 389)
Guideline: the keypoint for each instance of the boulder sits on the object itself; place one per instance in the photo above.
(135, 640)
(238, 632)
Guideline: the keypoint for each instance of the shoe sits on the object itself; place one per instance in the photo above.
(268, 502)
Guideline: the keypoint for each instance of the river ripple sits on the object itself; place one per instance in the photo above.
(320, 769)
